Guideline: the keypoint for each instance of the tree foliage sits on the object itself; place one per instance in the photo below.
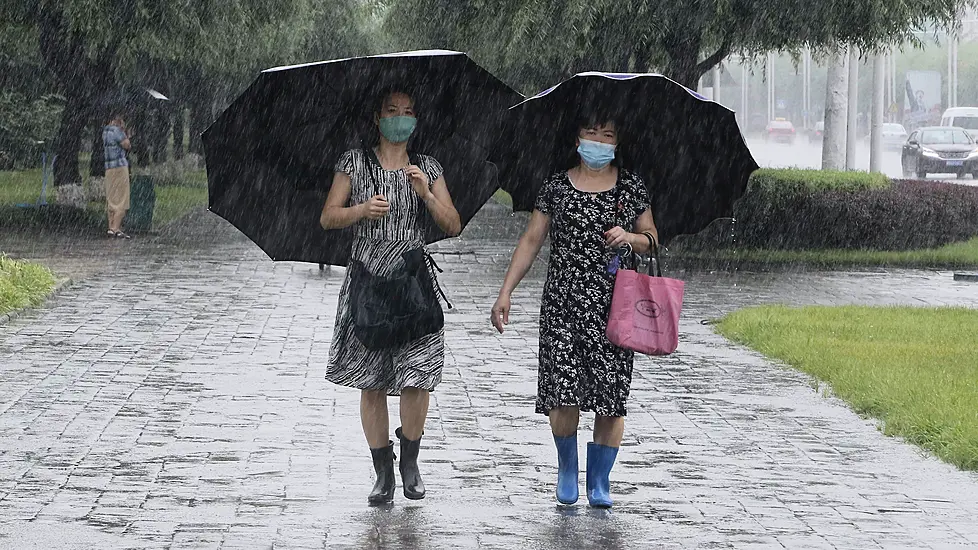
(199, 53)
(533, 42)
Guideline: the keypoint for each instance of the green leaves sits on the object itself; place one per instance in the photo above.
(533, 42)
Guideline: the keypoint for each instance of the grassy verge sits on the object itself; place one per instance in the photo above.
(23, 284)
(173, 200)
(503, 197)
(22, 187)
(912, 368)
(955, 255)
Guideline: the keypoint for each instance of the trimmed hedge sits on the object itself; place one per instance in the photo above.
(812, 209)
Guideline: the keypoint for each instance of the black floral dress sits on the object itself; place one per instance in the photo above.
(578, 365)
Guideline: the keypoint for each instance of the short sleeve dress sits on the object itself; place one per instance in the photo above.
(579, 366)
(379, 245)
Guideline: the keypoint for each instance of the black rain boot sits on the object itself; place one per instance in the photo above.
(383, 491)
(410, 476)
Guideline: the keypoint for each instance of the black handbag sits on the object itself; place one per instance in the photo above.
(391, 311)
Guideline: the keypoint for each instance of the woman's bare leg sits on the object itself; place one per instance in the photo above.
(373, 418)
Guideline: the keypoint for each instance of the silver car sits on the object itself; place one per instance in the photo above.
(894, 136)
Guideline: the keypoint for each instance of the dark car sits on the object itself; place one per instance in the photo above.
(939, 150)
(815, 134)
(780, 131)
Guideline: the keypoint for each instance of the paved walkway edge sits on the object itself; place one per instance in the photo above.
(59, 287)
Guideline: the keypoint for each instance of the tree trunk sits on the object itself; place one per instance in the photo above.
(67, 144)
(178, 131)
(683, 64)
(96, 167)
(834, 134)
(200, 115)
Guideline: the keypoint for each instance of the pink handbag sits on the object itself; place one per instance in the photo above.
(645, 309)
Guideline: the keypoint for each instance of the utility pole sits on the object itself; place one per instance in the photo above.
(952, 71)
(876, 136)
(806, 75)
(716, 83)
(744, 94)
(852, 134)
(771, 101)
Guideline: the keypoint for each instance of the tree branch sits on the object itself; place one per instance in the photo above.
(712, 61)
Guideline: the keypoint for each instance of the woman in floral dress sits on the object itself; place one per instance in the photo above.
(590, 212)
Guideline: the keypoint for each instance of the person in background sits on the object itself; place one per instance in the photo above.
(115, 144)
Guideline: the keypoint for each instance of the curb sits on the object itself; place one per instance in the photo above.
(59, 287)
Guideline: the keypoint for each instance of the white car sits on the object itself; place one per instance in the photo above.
(962, 117)
(894, 136)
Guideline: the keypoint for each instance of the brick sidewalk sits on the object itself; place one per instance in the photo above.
(177, 400)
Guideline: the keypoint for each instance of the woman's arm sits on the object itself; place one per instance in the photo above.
(442, 209)
(526, 252)
(337, 215)
(616, 236)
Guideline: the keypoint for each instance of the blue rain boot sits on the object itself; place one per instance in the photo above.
(600, 459)
(567, 470)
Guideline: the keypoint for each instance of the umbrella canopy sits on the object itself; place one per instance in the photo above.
(688, 149)
(270, 154)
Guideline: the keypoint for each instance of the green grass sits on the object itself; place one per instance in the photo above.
(955, 255)
(915, 369)
(174, 198)
(22, 186)
(503, 197)
(173, 202)
(23, 284)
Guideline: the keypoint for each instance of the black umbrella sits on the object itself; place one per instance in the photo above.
(688, 149)
(270, 155)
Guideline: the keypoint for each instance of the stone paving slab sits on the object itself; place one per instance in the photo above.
(178, 401)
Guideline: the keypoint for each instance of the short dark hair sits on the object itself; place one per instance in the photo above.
(386, 94)
(591, 118)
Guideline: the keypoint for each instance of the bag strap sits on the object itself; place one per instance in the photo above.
(432, 266)
(653, 255)
(368, 159)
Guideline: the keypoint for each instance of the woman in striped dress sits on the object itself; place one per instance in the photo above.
(386, 211)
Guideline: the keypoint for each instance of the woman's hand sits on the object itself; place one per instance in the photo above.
(376, 207)
(617, 237)
(419, 181)
(500, 312)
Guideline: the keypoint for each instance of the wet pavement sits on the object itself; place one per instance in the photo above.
(173, 397)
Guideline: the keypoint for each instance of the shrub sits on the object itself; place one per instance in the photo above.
(797, 180)
(809, 209)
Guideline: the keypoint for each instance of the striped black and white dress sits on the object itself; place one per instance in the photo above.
(379, 245)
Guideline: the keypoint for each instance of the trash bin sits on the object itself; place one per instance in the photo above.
(142, 201)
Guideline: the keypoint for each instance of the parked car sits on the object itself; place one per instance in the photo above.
(780, 130)
(962, 117)
(815, 134)
(894, 136)
(939, 150)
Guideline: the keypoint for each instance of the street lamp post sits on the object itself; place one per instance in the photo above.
(852, 109)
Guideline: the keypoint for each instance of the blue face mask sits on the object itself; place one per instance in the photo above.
(596, 155)
(397, 129)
